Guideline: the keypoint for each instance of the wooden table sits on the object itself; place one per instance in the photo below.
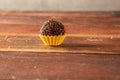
(91, 50)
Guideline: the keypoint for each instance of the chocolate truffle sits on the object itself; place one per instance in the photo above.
(52, 28)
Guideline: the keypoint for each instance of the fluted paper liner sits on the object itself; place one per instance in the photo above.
(52, 40)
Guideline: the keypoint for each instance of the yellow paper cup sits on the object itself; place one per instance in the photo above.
(52, 40)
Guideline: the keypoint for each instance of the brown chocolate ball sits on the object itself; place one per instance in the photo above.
(52, 28)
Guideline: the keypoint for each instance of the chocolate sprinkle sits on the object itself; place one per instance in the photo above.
(52, 28)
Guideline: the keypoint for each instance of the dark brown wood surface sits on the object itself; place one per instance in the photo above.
(91, 50)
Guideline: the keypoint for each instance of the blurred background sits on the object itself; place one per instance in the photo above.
(60, 5)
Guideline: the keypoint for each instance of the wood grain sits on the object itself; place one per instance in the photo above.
(91, 50)
(88, 32)
(78, 23)
(49, 66)
(70, 45)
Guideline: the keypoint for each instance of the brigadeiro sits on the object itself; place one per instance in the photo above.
(52, 33)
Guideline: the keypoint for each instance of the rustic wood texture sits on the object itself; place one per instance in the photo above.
(87, 32)
(71, 44)
(82, 24)
(91, 50)
(56, 66)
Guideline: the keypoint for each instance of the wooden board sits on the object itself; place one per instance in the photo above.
(72, 44)
(91, 50)
(87, 32)
(56, 66)
(76, 23)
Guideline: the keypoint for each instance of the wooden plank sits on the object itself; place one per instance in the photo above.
(88, 32)
(78, 23)
(49, 66)
(70, 45)
(24, 57)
